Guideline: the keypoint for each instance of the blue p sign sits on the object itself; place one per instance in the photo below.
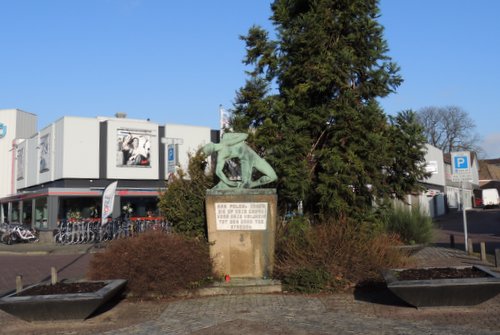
(3, 130)
(171, 154)
(461, 162)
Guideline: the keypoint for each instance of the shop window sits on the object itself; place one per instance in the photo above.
(141, 206)
(27, 212)
(79, 208)
(41, 213)
(15, 212)
(4, 210)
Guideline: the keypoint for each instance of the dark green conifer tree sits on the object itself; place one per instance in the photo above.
(310, 103)
(407, 146)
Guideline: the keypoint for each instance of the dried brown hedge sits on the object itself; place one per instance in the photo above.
(154, 263)
(332, 255)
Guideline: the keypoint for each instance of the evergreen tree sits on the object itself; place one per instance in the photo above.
(310, 104)
(408, 149)
(183, 202)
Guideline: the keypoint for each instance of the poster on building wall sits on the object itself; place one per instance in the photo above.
(20, 163)
(431, 167)
(133, 148)
(45, 153)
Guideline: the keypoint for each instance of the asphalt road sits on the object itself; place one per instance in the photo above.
(483, 225)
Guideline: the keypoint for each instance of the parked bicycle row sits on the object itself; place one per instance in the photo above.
(15, 233)
(91, 230)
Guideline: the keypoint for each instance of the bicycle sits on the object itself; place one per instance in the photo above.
(17, 233)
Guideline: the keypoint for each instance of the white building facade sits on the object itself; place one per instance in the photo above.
(433, 200)
(61, 171)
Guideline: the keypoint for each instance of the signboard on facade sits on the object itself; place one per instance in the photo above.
(45, 153)
(431, 167)
(3, 130)
(460, 166)
(133, 148)
(241, 215)
(171, 158)
(20, 163)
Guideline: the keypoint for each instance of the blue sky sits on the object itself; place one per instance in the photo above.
(176, 61)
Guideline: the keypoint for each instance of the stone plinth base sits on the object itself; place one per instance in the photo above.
(241, 229)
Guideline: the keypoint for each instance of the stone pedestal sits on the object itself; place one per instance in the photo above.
(241, 230)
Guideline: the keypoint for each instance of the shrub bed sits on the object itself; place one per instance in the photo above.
(154, 263)
(412, 225)
(333, 255)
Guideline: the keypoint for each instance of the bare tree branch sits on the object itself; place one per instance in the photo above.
(449, 128)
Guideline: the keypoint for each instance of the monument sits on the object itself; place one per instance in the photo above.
(241, 219)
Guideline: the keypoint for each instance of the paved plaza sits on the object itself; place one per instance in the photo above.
(362, 311)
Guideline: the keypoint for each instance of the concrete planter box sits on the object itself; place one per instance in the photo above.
(74, 306)
(444, 292)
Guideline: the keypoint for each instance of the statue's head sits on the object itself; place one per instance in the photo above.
(233, 138)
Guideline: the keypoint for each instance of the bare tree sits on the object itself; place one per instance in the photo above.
(449, 129)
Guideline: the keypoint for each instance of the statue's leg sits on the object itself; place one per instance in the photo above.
(261, 181)
(266, 169)
(268, 172)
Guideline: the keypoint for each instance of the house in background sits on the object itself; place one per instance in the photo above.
(489, 173)
(454, 189)
(432, 200)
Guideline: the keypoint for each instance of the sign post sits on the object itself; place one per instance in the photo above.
(460, 169)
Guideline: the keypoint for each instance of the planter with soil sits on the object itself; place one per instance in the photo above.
(450, 286)
(61, 301)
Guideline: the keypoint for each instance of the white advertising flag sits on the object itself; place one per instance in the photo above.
(108, 200)
(224, 120)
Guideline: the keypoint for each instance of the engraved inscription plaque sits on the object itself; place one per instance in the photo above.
(241, 215)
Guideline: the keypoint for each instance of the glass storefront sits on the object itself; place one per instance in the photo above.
(27, 212)
(79, 208)
(141, 206)
(4, 210)
(15, 216)
(35, 212)
(41, 213)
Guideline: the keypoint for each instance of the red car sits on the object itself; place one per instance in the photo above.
(478, 202)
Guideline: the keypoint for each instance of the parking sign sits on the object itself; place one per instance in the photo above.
(171, 158)
(460, 166)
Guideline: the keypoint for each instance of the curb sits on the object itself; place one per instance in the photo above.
(14, 253)
(49, 250)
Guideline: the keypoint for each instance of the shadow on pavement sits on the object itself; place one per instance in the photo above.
(378, 293)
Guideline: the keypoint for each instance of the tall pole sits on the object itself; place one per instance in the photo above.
(222, 119)
(464, 216)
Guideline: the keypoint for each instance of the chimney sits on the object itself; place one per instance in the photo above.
(121, 115)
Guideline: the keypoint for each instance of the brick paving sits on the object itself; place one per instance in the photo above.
(373, 311)
(483, 226)
(300, 314)
(36, 268)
